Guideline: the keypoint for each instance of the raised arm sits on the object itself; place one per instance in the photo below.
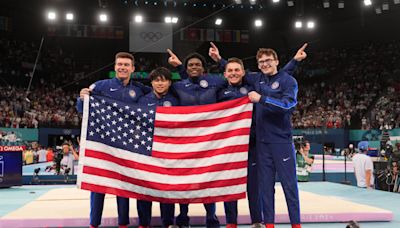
(213, 52)
(76, 156)
(174, 61)
(300, 55)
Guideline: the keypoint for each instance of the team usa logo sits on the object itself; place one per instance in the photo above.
(203, 83)
(243, 90)
(167, 103)
(275, 85)
(132, 93)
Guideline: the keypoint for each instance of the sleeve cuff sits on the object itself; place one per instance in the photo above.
(180, 68)
(263, 99)
(223, 62)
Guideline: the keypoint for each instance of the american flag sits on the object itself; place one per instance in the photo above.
(192, 154)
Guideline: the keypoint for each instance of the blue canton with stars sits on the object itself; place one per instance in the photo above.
(121, 125)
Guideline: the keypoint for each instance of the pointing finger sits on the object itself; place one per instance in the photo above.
(303, 47)
(170, 52)
(213, 45)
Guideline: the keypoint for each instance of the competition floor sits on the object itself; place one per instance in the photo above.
(323, 204)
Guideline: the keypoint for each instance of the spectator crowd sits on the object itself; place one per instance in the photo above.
(348, 87)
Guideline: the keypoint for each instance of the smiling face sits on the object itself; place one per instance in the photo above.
(194, 67)
(268, 64)
(160, 85)
(234, 73)
(124, 68)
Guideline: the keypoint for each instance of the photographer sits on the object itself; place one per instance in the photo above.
(68, 156)
(394, 159)
(350, 151)
(304, 161)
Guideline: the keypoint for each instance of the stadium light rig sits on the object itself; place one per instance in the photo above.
(326, 4)
(170, 20)
(367, 2)
(103, 17)
(258, 23)
(138, 18)
(341, 4)
(51, 15)
(385, 5)
(298, 24)
(218, 21)
(310, 24)
(290, 3)
(69, 16)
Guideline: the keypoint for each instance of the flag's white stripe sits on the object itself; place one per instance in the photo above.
(167, 163)
(201, 146)
(85, 118)
(199, 131)
(163, 178)
(210, 192)
(204, 115)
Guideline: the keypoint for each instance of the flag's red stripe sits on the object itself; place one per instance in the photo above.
(162, 186)
(201, 154)
(204, 138)
(202, 123)
(163, 170)
(203, 108)
(128, 194)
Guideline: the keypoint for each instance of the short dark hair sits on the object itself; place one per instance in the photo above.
(195, 55)
(125, 55)
(235, 60)
(266, 51)
(160, 72)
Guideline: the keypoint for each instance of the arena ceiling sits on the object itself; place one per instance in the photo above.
(203, 13)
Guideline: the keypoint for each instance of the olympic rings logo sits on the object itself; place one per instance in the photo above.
(151, 36)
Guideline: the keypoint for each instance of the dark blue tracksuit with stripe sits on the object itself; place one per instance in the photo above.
(275, 152)
(232, 92)
(198, 91)
(144, 207)
(130, 94)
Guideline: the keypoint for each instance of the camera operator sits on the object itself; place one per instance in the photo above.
(304, 161)
(395, 171)
(394, 161)
(68, 156)
(363, 166)
(350, 151)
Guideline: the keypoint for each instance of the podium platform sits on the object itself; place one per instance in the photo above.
(321, 203)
